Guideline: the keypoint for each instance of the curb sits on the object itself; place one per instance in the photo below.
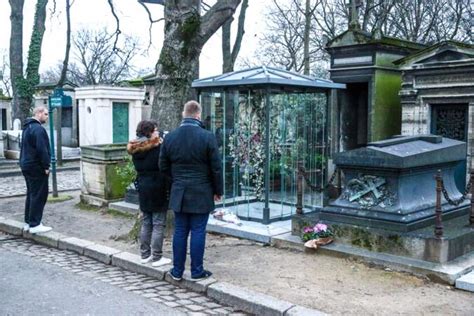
(243, 299)
(255, 303)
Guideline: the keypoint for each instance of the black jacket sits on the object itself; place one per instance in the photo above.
(189, 155)
(35, 152)
(153, 186)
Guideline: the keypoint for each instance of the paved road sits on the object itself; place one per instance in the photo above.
(32, 287)
(12, 186)
(38, 280)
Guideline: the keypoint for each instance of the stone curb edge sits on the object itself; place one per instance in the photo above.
(246, 300)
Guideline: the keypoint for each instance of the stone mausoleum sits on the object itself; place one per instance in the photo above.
(437, 95)
(369, 108)
(109, 114)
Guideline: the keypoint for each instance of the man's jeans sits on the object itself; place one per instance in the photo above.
(151, 235)
(184, 224)
(36, 195)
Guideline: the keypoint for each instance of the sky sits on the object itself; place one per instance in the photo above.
(95, 14)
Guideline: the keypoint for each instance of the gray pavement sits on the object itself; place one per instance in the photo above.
(15, 186)
(62, 282)
(32, 287)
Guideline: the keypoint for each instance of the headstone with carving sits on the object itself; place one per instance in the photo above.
(390, 184)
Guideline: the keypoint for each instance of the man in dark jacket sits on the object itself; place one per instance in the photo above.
(35, 157)
(189, 155)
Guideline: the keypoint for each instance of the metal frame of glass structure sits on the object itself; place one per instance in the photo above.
(266, 122)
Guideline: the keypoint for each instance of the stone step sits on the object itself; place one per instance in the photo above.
(466, 282)
(8, 164)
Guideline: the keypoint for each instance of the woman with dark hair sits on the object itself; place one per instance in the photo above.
(152, 191)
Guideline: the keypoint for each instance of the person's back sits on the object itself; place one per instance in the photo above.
(189, 154)
(193, 162)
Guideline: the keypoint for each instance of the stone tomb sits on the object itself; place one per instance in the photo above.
(390, 184)
(388, 204)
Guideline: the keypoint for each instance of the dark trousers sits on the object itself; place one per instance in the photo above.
(36, 195)
(151, 235)
(195, 224)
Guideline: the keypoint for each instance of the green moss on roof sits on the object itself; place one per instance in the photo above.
(136, 82)
(364, 37)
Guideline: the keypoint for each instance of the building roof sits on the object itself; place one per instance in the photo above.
(358, 37)
(68, 85)
(464, 50)
(265, 76)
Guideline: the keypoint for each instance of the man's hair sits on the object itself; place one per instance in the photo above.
(38, 110)
(191, 109)
(145, 128)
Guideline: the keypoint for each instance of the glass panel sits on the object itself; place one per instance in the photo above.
(297, 134)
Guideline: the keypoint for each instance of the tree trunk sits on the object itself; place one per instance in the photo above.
(227, 65)
(186, 32)
(230, 56)
(62, 80)
(307, 28)
(16, 54)
(23, 89)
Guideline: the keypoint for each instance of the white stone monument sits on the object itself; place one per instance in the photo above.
(109, 114)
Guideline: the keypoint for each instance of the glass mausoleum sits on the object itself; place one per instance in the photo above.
(267, 122)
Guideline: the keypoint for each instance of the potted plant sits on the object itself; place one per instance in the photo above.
(317, 235)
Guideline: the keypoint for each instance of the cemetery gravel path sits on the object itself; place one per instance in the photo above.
(334, 285)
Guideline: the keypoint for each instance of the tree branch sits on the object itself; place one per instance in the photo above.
(150, 18)
(117, 21)
(240, 31)
(220, 12)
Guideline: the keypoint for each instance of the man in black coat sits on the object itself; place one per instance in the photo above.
(189, 155)
(35, 157)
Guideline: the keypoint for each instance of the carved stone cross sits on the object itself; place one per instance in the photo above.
(354, 13)
(370, 186)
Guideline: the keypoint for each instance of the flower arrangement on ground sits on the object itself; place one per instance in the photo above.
(317, 235)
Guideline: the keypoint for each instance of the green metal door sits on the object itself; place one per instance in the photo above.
(4, 120)
(120, 122)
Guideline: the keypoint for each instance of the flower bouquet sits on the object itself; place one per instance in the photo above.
(318, 235)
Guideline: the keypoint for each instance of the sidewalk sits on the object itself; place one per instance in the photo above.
(332, 285)
(67, 179)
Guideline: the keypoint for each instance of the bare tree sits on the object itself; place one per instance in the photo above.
(62, 79)
(230, 56)
(23, 85)
(100, 60)
(291, 42)
(424, 21)
(186, 32)
(5, 83)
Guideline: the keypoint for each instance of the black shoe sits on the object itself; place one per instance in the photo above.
(176, 278)
(204, 275)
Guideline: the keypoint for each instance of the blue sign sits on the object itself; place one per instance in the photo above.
(58, 99)
(55, 102)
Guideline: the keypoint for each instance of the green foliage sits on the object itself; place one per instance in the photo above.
(59, 198)
(126, 172)
(87, 207)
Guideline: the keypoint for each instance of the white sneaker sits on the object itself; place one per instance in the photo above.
(146, 260)
(161, 262)
(26, 227)
(40, 229)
